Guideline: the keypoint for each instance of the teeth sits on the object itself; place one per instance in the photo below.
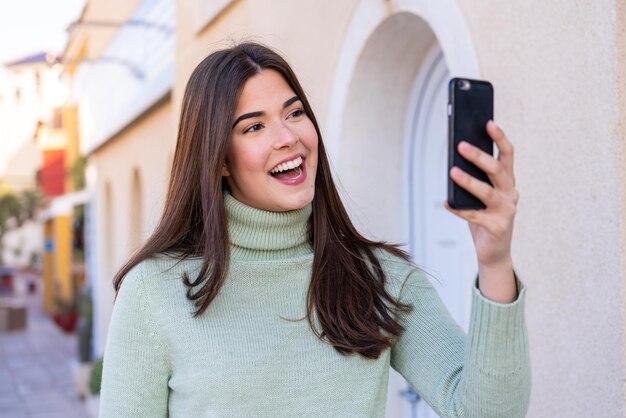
(287, 166)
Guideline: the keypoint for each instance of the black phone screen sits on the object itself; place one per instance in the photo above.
(470, 108)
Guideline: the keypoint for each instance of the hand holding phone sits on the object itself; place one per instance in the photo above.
(470, 107)
(469, 110)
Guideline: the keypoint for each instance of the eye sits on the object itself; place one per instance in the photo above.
(297, 113)
(253, 128)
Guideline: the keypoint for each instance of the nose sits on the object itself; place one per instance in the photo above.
(285, 137)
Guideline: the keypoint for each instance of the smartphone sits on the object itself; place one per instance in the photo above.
(470, 107)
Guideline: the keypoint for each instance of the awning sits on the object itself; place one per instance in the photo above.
(64, 205)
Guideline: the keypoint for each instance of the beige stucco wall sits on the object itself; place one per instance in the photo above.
(554, 69)
(292, 27)
(560, 98)
(145, 146)
(621, 137)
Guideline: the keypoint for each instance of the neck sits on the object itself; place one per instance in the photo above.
(257, 234)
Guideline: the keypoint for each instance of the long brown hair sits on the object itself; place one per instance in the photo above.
(347, 289)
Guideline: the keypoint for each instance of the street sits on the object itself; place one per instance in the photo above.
(35, 373)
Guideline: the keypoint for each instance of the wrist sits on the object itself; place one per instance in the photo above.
(501, 265)
(497, 281)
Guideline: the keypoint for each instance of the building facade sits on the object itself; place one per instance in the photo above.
(376, 73)
(120, 57)
(30, 89)
(38, 147)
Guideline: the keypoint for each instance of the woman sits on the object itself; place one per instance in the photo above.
(256, 296)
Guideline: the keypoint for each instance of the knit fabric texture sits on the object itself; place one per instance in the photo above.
(252, 353)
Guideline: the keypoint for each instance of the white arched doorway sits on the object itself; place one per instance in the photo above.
(435, 236)
(136, 211)
(387, 140)
(107, 256)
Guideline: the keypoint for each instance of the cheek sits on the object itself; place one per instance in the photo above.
(247, 160)
(311, 145)
(309, 138)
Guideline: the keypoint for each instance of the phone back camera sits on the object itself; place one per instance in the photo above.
(464, 84)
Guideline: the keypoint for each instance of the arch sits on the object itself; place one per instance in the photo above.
(103, 290)
(435, 236)
(109, 218)
(388, 51)
(135, 229)
(380, 133)
(446, 21)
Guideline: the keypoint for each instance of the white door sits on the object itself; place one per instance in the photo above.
(439, 242)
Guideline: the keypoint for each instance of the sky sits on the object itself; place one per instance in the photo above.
(31, 26)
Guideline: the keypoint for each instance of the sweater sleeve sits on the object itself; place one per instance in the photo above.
(483, 374)
(135, 367)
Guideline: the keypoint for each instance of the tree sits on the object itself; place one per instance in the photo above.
(19, 208)
(30, 201)
(10, 208)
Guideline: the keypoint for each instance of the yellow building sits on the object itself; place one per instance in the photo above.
(61, 185)
(63, 260)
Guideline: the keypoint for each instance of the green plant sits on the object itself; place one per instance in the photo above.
(9, 208)
(64, 306)
(85, 324)
(77, 173)
(30, 202)
(78, 234)
(95, 379)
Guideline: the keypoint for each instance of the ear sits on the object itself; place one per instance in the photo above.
(225, 172)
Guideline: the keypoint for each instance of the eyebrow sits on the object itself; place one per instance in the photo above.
(257, 114)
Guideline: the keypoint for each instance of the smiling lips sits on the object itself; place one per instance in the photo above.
(289, 165)
(291, 172)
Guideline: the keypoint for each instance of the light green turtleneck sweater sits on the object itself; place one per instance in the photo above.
(241, 359)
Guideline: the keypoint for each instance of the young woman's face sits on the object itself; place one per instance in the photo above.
(272, 156)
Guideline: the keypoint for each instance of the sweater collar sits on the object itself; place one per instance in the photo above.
(257, 234)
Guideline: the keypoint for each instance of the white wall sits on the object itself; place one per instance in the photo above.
(20, 245)
(19, 116)
(553, 65)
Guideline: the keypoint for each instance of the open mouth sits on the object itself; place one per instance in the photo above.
(288, 170)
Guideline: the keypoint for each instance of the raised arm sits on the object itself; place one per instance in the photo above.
(484, 374)
(487, 373)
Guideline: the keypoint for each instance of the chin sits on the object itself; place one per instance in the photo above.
(295, 203)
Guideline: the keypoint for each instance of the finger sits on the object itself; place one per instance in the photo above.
(479, 217)
(470, 215)
(505, 148)
(483, 191)
(499, 176)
